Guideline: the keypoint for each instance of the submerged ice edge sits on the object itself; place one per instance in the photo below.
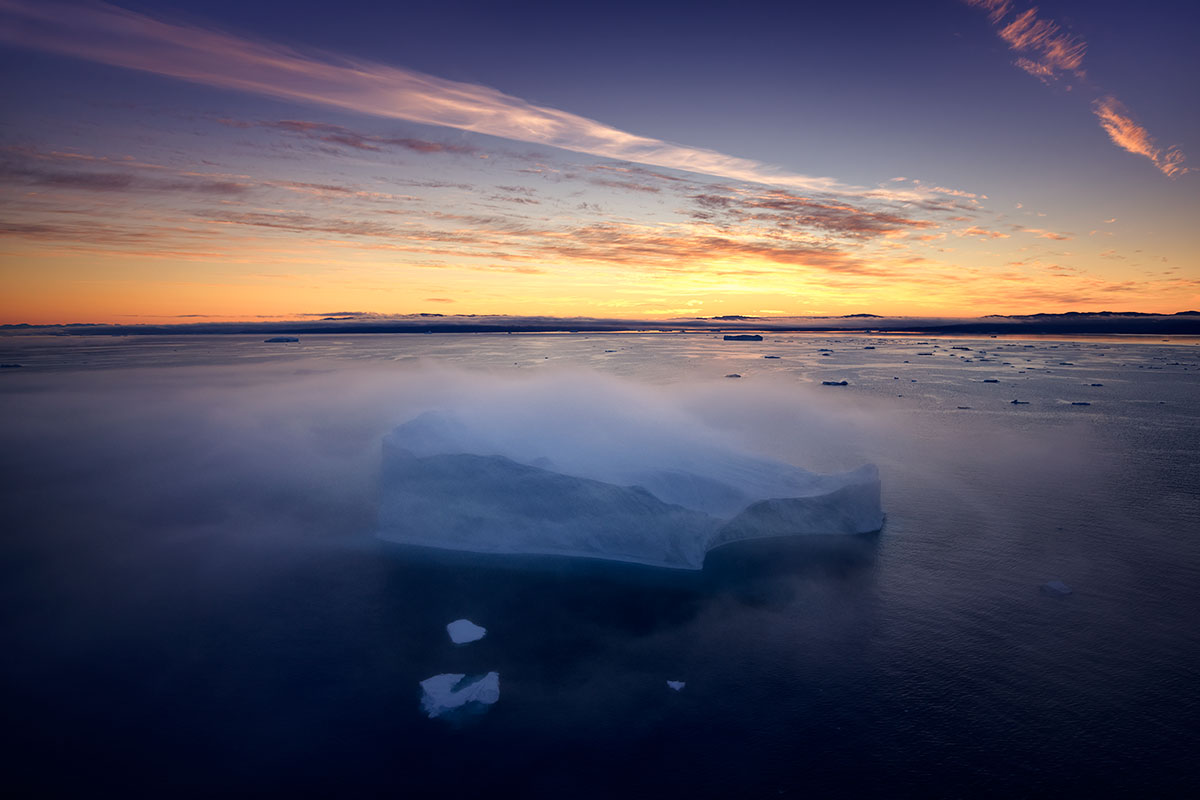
(452, 691)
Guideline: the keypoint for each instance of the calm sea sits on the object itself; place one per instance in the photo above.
(194, 602)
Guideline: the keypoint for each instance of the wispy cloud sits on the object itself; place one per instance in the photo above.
(1128, 135)
(345, 137)
(780, 212)
(117, 180)
(1048, 51)
(111, 35)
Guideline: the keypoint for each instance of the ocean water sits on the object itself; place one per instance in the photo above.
(194, 601)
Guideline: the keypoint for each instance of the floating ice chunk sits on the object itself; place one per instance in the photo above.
(1056, 588)
(650, 497)
(677, 685)
(463, 631)
(743, 337)
(451, 691)
(281, 339)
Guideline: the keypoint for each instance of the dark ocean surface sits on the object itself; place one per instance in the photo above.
(194, 602)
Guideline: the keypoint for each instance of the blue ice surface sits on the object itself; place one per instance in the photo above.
(448, 483)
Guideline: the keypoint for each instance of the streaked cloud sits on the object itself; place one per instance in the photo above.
(110, 35)
(110, 180)
(996, 9)
(1046, 49)
(1041, 233)
(1048, 52)
(1130, 136)
(345, 137)
(778, 211)
(977, 232)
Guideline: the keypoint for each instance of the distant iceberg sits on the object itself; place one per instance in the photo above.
(594, 490)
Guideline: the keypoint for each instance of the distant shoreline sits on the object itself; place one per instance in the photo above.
(1185, 323)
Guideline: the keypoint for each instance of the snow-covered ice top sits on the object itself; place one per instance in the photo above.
(463, 631)
(453, 690)
(601, 484)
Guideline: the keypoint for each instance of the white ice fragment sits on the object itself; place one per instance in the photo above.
(463, 631)
(454, 690)
(677, 685)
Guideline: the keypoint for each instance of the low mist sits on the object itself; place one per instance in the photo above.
(291, 452)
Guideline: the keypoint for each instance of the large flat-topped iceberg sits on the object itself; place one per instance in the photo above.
(647, 494)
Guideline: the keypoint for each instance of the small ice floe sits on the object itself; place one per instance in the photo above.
(1097, 384)
(733, 375)
(452, 691)
(463, 631)
(1056, 588)
(770, 356)
(743, 337)
(834, 383)
(964, 408)
(1020, 402)
(677, 685)
(991, 380)
(1081, 403)
(281, 339)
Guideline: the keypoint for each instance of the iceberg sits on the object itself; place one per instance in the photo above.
(676, 685)
(539, 484)
(452, 691)
(463, 631)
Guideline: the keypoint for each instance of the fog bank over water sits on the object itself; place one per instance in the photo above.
(293, 449)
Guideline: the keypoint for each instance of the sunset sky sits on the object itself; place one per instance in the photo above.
(255, 160)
